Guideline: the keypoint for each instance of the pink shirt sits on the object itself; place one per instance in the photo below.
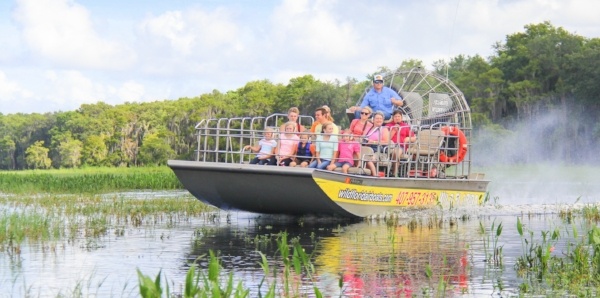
(288, 144)
(346, 151)
(374, 134)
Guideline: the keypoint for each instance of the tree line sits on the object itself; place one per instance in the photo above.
(543, 69)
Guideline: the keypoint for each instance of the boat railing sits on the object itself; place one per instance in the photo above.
(422, 157)
(223, 140)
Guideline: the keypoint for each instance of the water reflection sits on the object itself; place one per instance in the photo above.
(392, 261)
(423, 253)
(417, 255)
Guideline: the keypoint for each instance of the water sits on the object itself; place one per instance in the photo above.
(370, 257)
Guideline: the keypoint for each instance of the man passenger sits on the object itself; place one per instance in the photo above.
(317, 127)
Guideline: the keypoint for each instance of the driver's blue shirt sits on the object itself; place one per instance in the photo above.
(381, 101)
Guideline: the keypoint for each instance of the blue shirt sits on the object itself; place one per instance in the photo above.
(266, 147)
(381, 101)
(326, 148)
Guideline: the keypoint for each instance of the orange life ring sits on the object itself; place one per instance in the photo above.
(461, 148)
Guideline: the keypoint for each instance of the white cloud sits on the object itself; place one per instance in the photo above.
(11, 91)
(61, 33)
(312, 30)
(71, 88)
(193, 30)
(194, 41)
(131, 91)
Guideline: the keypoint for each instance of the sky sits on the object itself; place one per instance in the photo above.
(58, 54)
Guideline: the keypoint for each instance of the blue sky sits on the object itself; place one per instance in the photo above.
(59, 54)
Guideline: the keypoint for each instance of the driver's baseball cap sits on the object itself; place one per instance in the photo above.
(378, 79)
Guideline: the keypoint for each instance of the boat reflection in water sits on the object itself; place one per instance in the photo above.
(371, 258)
(393, 261)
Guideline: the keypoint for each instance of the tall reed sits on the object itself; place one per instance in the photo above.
(89, 180)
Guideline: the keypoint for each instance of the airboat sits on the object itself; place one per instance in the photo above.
(434, 170)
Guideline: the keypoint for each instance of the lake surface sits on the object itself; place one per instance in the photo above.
(371, 257)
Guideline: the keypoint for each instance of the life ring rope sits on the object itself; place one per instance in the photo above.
(462, 147)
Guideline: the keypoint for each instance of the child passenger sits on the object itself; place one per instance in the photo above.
(304, 156)
(265, 148)
(326, 148)
(287, 145)
(348, 149)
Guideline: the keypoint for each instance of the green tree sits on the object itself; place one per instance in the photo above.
(24, 130)
(154, 151)
(584, 68)
(7, 153)
(70, 153)
(297, 94)
(94, 151)
(257, 98)
(539, 57)
(36, 156)
(481, 84)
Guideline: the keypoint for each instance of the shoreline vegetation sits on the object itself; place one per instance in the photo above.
(90, 180)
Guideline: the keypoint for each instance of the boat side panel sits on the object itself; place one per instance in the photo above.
(363, 196)
(260, 189)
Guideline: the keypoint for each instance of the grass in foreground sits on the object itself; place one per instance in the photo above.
(212, 282)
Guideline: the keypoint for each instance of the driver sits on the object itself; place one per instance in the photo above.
(379, 98)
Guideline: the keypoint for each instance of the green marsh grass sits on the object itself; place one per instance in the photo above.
(88, 180)
(53, 217)
(575, 271)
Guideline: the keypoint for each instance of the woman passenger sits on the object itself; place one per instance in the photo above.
(378, 136)
(360, 127)
(328, 115)
(400, 132)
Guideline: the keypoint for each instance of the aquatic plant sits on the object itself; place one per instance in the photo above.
(210, 283)
(536, 256)
(150, 288)
(490, 241)
(53, 218)
(575, 271)
(591, 213)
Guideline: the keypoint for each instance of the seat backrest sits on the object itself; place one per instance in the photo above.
(428, 142)
(366, 154)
